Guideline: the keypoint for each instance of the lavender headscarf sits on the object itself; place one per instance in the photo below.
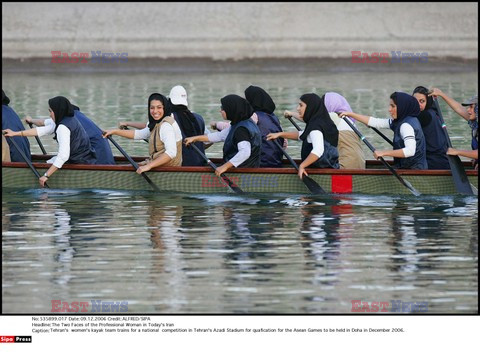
(335, 102)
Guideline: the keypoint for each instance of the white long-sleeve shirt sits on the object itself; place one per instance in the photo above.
(244, 147)
(406, 132)
(47, 129)
(315, 138)
(169, 134)
(63, 138)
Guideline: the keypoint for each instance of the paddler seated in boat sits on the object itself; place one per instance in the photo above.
(242, 140)
(409, 149)
(267, 122)
(73, 143)
(100, 145)
(350, 152)
(11, 121)
(320, 136)
(435, 139)
(190, 123)
(468, 110)
(163, 132)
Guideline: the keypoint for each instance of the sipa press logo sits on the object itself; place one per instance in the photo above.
(16, 339)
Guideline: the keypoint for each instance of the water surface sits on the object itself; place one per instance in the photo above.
(263, 254)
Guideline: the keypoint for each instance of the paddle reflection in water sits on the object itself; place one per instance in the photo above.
(232, 254)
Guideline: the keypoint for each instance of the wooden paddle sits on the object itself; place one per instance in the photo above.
(458, 171)
(38, 140)
(294, 123)
(134, 164)
(392, 170)
(230, 184)
(311, 184)
(24, 157)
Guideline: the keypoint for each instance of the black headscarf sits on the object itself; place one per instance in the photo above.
(61, 108)
(259, 99)
(424, 91)
(237, 108)
(406, 105)
(186, 120)
(5, 99)
(167, 109)
(317, 118)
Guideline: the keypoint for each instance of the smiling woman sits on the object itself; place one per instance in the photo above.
(163, 132)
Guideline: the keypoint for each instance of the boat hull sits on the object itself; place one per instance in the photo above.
(202, 180)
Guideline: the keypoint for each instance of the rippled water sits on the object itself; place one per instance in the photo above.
(263, 254)
(229, 254)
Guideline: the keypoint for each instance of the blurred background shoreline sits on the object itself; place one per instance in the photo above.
(240, 31)
(270, 65)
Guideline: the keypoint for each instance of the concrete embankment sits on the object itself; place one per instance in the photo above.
(239, 31)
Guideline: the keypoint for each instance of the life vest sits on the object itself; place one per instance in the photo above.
(157, 147)
(10, 120)
(270, 155)
(417, 161)
(81, 151)
(99, 144)
(189, 156)
(230, 149)
(435, 141)
(329, 158)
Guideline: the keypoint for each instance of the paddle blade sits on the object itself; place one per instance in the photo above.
(414, 191)
(313, 186)
(459, 176)
(232, 185)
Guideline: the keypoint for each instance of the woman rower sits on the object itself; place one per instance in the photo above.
(470, 114)
(409, 150)
(349, 146)
(436, 142)
(242, 140)
(73, 143)
(320, 136)
(266, 121)
(165, 137)
(100, 145)
(11, 121)
(190, 124)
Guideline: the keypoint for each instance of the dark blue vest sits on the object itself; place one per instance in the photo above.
(417, 161)
(271, 156)
(474, 126)
(230, 149)
(436, 143)
(81, 151)
(10, 120)
(100, 145)
(329, 158)
(189, 156)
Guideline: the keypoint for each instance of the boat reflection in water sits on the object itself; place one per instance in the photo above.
(165, 253)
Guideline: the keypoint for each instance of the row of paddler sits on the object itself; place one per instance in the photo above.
(328, 141)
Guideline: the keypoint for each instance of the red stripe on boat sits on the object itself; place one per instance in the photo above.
(341, 183)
